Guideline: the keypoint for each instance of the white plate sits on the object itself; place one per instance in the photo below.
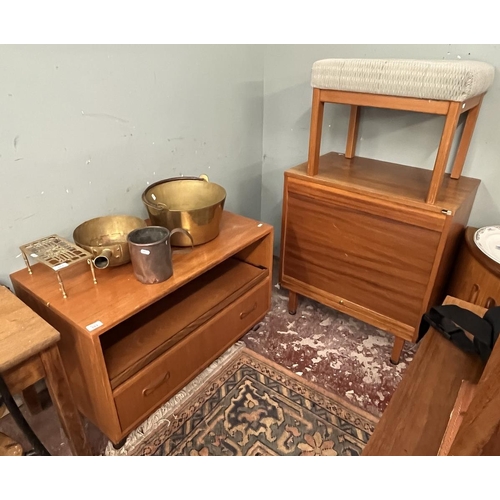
(487, 240)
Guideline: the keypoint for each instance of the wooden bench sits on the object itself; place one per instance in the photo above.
(29, 353)
(419, 412)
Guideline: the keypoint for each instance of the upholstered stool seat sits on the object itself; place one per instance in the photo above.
(440, 80)
(441, 87)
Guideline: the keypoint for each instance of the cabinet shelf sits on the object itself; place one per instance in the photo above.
(387, 181)
(142, 338)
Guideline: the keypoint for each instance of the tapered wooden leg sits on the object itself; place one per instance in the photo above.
(397, 348)
(62, 398)
(315, 132)
(293, 300)
(463, 147)
(352, 133)
(120, 444)
(32, 400)
(450, 126)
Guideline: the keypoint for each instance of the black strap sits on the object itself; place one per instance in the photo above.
(452, 320)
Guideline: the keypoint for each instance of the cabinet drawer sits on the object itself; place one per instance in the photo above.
(139, 396)
(369, 255)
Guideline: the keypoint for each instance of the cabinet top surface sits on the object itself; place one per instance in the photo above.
(117, 294)
(387, 180)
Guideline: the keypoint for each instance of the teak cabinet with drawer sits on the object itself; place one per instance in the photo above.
(129, 347)
(359, 237)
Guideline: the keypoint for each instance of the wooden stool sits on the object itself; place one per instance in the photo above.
(446, 88)
(29, 353)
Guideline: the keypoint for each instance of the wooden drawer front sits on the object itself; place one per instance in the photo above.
(368, 258)
(160, 380)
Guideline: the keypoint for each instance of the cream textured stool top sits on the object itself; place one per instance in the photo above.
(440, 87)
(424, 79)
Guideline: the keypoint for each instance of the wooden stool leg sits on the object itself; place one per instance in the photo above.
(396, 350)
(32, 400)
(450, 125)
(60, 393)
(352, 133)
(463, 147)
(19, 419)
(315, 132)
(293, 300)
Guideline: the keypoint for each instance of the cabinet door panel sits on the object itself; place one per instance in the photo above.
(370, 259)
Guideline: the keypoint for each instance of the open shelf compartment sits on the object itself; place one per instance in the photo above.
(136, 342)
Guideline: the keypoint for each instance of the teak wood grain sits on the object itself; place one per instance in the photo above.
(62, 398)
(450, 109)
(118, 294)
(360, 238)
(396, 183)
(463, 148)
(417, 416)
(384, 101)
(481, 421)
(146, 335)
(19, 322)
(85, 367)
(476, 277)
(443, 153)
(24, 375)
(119, 297)
(164, 377)
(29, 352)
(355, 252)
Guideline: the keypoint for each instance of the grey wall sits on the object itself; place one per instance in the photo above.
(400, 137)
(84, 128)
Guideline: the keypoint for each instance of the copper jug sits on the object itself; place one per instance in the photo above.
(151, 253)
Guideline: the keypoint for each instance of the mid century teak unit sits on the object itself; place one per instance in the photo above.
(376, 239)
(360, 238)
(129, 347)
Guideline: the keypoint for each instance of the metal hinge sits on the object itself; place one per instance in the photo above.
(446, 212)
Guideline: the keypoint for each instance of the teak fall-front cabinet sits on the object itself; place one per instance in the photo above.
(129, 347)
(360, 238)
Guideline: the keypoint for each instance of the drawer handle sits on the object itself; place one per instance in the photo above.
(149, 390)
(474, 293)
(490, 302)
(244, 314)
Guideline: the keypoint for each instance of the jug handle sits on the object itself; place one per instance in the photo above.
(181, 230)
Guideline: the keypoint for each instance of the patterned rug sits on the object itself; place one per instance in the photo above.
(253, 406)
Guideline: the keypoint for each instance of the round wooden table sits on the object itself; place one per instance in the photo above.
(476, 277)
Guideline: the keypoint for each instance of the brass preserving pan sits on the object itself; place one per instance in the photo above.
(106, 238)
(191, 203)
